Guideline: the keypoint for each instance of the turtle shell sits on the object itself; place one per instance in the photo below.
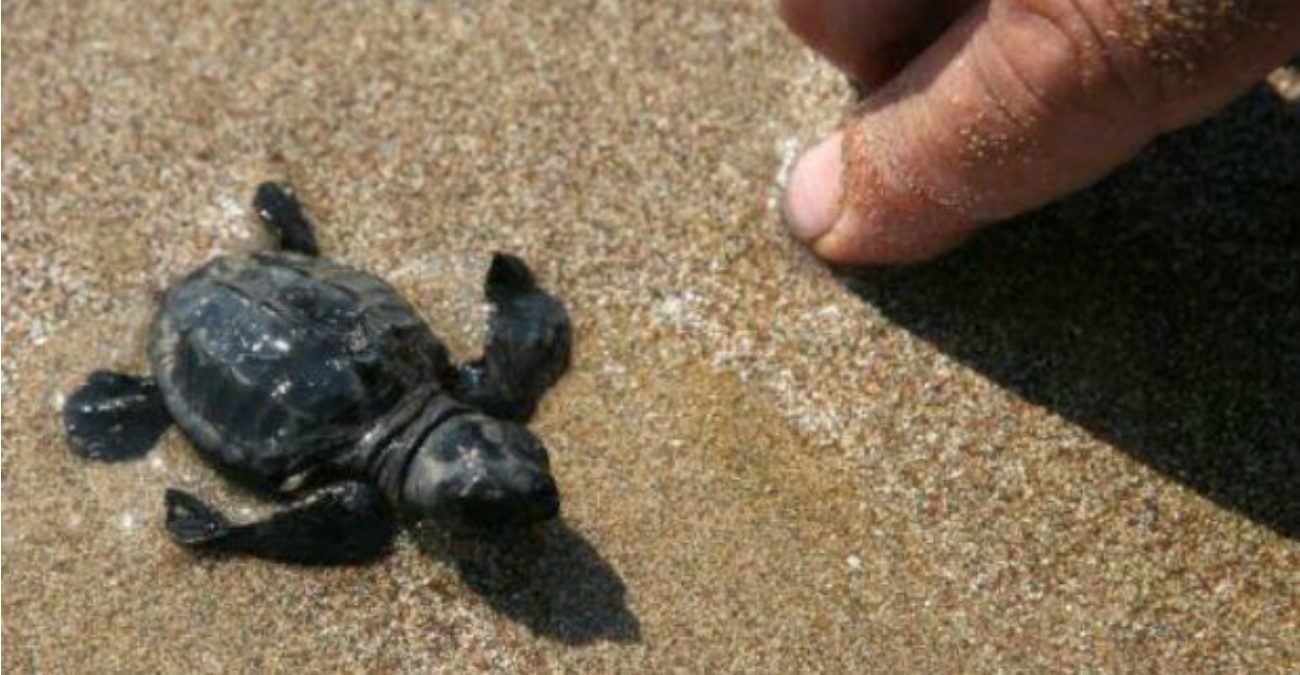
(275, 363)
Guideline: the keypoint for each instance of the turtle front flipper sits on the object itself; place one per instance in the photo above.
(282, 215)
(343, 523)
(115, 416)
(528, 343)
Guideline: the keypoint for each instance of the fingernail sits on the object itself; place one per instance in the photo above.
(812, 204)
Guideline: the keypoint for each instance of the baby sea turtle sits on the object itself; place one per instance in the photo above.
(308, 377)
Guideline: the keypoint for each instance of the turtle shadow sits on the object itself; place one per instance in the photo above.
(1159, 310)
(549, 578)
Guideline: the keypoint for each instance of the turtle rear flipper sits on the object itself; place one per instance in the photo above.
(280, 211)
(115, 416)
(528, 344)
(343, 523)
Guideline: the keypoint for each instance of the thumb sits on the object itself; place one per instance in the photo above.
(1021, 102)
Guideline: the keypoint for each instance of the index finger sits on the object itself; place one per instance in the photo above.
(870, 40)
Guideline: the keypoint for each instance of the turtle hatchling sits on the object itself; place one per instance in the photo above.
(319, 382)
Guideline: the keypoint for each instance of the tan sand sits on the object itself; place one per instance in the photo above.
(967, 472)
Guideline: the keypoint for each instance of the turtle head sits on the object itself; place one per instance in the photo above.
(483, 471)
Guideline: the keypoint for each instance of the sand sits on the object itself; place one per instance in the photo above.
(1070, 447)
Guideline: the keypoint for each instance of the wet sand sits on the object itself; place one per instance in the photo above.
(1071, 447)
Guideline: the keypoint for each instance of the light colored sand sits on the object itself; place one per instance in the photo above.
(761, 471)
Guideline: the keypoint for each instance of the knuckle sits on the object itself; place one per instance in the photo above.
(1076, 54)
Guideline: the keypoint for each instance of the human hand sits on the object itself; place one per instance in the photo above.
(982, 109)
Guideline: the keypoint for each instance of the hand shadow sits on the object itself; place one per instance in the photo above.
(1159, 309)
(549, 578)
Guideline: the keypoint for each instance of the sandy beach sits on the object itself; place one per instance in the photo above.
(1071, 447)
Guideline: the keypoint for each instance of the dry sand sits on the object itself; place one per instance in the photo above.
(1071, 447)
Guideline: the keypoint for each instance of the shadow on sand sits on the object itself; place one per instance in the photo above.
(550, 579)
(1159, 310)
